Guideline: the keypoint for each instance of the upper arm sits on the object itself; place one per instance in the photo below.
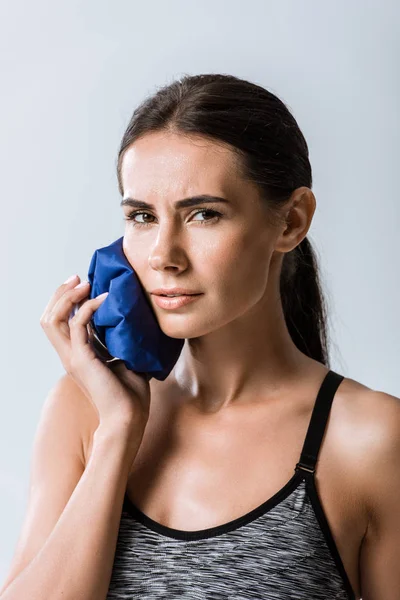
(380, 550)
(57, 465)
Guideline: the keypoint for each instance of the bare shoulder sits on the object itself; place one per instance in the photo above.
(379, 415)
(372, 417)
(370, 432)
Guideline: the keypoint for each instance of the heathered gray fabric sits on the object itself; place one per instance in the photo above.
(278, 551)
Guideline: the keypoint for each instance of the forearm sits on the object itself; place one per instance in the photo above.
(76, 560)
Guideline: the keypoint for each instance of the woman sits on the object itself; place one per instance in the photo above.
(253, 470)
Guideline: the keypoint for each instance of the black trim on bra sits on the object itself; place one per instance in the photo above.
(326, 530)
(203, 534)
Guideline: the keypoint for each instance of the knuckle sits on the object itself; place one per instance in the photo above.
(51, 319)
(44, 325)
(86, 309)
(70, 293)
(73, 322)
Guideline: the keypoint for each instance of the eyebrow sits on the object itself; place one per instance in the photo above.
(185, 203)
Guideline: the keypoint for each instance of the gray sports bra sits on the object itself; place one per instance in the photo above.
(283, 549)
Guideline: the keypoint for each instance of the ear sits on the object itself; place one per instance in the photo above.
(297, 216)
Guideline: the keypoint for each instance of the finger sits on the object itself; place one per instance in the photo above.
(78, 324)
(67, 285)
(55, 322)
(64, 306)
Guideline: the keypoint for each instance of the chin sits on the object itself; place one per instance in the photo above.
(186, 330)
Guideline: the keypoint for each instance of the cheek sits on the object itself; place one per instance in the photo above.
(135, 252)
(237, 267)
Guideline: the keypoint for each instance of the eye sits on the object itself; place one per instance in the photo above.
(215, 216)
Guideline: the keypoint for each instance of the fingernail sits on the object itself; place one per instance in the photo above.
(70, 278)
(81, 284)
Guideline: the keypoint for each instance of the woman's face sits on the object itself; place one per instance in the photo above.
(224, 256)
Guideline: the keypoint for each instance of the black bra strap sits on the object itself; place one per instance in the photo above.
(319, 417)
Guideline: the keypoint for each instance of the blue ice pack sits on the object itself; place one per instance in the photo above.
(125, 322)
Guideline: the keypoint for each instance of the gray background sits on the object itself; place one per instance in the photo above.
(72, 73)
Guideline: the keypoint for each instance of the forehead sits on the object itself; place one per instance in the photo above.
(163, 163)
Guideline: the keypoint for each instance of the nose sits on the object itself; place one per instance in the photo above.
(167, 250)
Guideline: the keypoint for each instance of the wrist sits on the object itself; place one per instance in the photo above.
(119, 434)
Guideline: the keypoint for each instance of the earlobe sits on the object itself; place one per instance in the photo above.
(286, 240)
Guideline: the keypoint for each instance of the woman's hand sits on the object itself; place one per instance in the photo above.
(120, 396)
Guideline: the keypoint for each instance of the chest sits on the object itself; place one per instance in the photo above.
(193, 474)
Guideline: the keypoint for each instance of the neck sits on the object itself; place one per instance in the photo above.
(250, 359)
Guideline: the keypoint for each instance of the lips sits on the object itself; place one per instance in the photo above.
(174, 290)
(174, 303)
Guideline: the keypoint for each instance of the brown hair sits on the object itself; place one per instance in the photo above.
(272, 153)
